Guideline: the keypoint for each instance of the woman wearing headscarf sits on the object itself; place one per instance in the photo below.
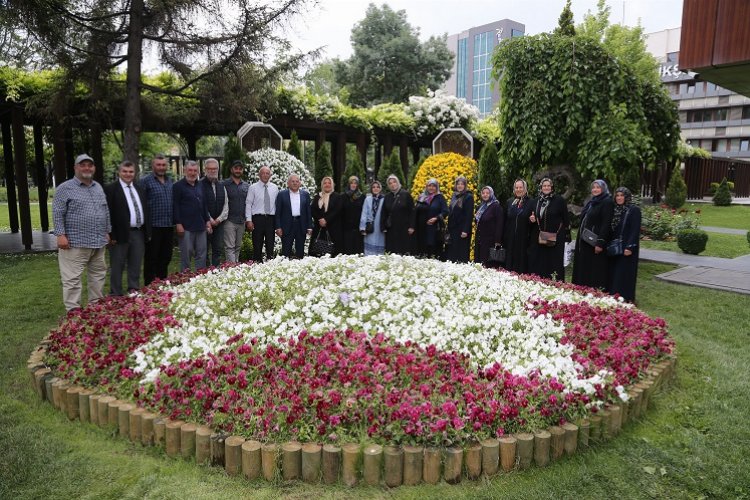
(490, 219)
(326, 214)
(516, 238)
(371, 220)
(460, 221)
(548, 220)
(428, 218)
(351, 211)
(397, 218)
(626, 226)
(590, 262)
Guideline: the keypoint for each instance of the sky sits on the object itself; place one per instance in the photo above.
(329, 24)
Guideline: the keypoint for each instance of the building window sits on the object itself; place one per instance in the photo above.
(461, 64)
(746, 113)
(721, 131)
(707, 144)
(745, 145)
(720, 115)
(721, 145)
(734, 145)
(480, 89)
(673, 57)
(691, 88)
(683, 88)
(515, 33)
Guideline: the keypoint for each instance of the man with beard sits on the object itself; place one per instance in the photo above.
(191, 218)
(82, 227)
(218, 209)
(234, 226)
(157, 188)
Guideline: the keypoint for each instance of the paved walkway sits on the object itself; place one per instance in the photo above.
(41, 242)
(724, 230)
(731, 275)
(735, 201)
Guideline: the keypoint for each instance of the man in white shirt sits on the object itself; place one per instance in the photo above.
(293, 220)
(260, 209)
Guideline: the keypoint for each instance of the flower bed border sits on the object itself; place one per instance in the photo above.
(352, 463)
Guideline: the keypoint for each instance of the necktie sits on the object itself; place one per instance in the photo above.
(138, 221)
(266, 200)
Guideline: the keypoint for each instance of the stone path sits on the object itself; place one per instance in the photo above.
(723, 230)
(41, 242)
(732, 275)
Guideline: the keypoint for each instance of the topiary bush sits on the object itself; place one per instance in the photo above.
(692, 241)
(723, 198)
(676, 190)
(294, 148)
(323, 167)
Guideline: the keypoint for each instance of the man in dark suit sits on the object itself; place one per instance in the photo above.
(128, 212)
(293, 220)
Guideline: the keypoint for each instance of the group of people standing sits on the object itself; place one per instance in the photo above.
(137, 221)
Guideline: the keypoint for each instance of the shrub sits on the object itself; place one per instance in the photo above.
(663, 224)
(232, 151)
(323, 167)
(392, 166)
(282, 165)
(692, 241)
(676, 190)
(715, 185)
(723, 197)
(294, 148)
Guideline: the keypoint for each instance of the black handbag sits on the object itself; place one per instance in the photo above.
(321, 246)
(589, 237)
(496, 255)
(614, 248)
(369, 227)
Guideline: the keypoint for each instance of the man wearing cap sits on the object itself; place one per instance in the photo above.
(260, 209)
(234, 226)
(82, 227)
(157, 187)
(129, 215)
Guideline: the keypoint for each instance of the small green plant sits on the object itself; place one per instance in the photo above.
(664, 223)
(723, 198)
(692, 241)
(676, 190)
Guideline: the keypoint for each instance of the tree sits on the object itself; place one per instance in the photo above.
(321, 78)
(490, 172)
(294, 148)
(389, 63)
(209, 49)
(723, 198)
(676, 190)
(323, 166)
(232, 152)
(392, 166)
(565, 25)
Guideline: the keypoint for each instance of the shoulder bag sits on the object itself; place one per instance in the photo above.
(546, 238)
(321, 246)
(496, 255)
(615, 247)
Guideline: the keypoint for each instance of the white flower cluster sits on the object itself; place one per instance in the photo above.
(439, 110)
(456, 307)
(282, 165)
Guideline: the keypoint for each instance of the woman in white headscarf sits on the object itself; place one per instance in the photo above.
(326, 214)
(516, 239)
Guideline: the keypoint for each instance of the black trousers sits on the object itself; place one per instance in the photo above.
(263, 234)
(296, 239)
(158, 254)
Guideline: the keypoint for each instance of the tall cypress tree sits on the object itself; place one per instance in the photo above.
(490, 172)
(565, 26)
(294, 148)
(323, 166)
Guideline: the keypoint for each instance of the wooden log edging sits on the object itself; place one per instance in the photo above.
(352, 463)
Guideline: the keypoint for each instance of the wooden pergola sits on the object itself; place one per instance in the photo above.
(14, 119)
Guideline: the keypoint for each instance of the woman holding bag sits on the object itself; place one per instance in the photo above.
(370, 222)
(326, 213)
(549, 224)
(490, 219)
(516, 238)
(397, 209)
(460, 222)
(590, 263)
(623, 249)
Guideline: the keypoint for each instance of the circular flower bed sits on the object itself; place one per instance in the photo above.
(450, 353)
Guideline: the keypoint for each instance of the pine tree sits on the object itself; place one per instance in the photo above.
(490, 172)
(723, 198)
(413, 172)
(294, 148)
(565, 25)
(392, 166)
(232, 151)
(323, 167)
(676, 190)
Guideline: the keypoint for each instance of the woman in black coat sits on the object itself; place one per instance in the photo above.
(460, 221)
(428, 217)
(326, 213)
(626, 225)
(516, 238)
(397, 218)
(351, 211)
(590, 262)
(549, 213)
(490, 219)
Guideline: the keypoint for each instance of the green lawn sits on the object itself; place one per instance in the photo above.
(734, 216)
(728, 246)
(35, 224)
(693, 443)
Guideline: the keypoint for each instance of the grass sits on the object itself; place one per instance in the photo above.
(728, 246)
(734, 216)
(692, 443)
(35, 221)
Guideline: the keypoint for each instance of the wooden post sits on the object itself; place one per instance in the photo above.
(362, 141)
(59, 154)
(413, 465)
(95, 138)
(147, 428)
(454, 458)
(541, 448)
(71, 402)
(59, 394)
(192, 140)
(373, 459)
(490, 456)
(291, 461)
(474, 461)
(135, 424)
(203, 445)
(431, 465)
(22, 179)
(41, 177)
(39, 376)
(393, 466)
(557, 442)
(320, 139)
(172, 437)
(584, 428)
(606, 424)
(10, 181)
(123, 419)
(160, 431)
(102, 410)
(524, 449)
(113, 413)
(251, 459)
(48, 389)
(311, 462)
(378, 158)
(232, 455)
(404, 156)
(331, 463)
(387, 145)
(571, 438)
(350, 463)
(508, 452)
(595, 434)
(94, 408)
(625, 406)
(636, 394)
(187, 440)
(84, 412)
(615, 422)
(269, 457)
(217, 449)
(339, 166)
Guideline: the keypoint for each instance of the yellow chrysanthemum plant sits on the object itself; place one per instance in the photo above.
(445, 168)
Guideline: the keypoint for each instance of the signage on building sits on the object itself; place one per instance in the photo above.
(669, 70)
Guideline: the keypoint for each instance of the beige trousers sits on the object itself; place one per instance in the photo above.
(73, 262)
